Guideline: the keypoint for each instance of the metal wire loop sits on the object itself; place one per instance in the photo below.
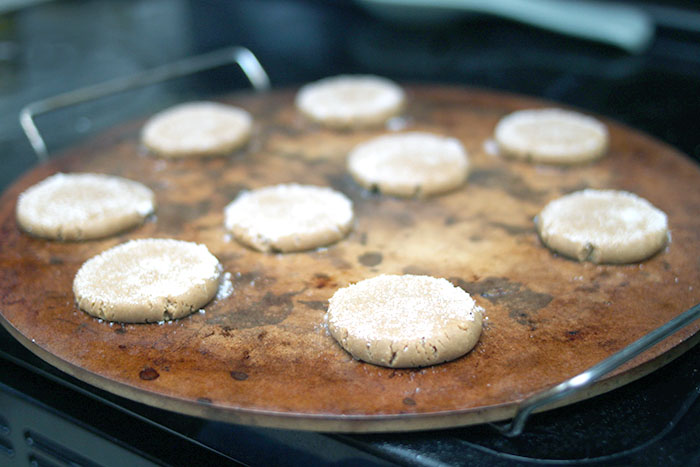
(248, 63)
(593, 374)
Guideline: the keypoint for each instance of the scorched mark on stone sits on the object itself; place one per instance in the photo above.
(239, 375)
(148, 374)
(521, 303)
(509, 182)
(182, 213)
(315, 305)
(370, 259)
(271, 309)
(514, 230)
(252, 279)
(322, 280)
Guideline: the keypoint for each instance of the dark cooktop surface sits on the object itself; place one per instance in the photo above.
(55, 47)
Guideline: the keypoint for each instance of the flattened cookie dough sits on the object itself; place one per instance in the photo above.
(147, 280)
(552, 136)
(351, 101)
(403, 321)
(83, 206)
(197, 129)
(409, 164)
(603, 226)
(289, 217)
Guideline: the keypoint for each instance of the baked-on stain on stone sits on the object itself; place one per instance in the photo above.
(344, 183)
(239, 375)
(315, 304)
(183, 213)
(370, 259)
(514, 230)
(232, 190)
(362, 238)
(271, 309)
(521, 302)
(572, 335)
(594, 287)
(507, 181)
(251, 279)
(321, 280)
(148, 374)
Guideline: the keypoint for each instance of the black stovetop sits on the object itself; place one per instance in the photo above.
(53, 47)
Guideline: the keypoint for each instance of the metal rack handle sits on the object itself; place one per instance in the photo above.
(243, 57)
(590, 376)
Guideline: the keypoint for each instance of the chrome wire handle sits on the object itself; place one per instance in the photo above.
(588, 377)
(243, 57)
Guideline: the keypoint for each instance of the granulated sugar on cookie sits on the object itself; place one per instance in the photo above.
(551, 136)
(197, 129)
(351, 101)
(603, 226)
(147, 280)
(289, 217)
(409, 164)
(403, 321)
(82, 206)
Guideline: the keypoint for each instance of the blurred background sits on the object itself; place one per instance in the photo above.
(641, 64)
(635, 62)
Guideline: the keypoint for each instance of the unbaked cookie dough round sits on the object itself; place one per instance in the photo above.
(553, 136)
(409, 164)
(289, 217)
(147, 280)
(83, 206)
(404, 321)
(603, 226)
(197, 129)
(351, 101)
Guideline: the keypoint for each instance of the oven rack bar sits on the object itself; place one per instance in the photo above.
(245, 59)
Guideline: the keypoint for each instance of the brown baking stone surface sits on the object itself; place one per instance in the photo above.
(262, 355)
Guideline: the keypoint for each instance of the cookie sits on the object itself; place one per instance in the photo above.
(409, 164)
(83, 206)
(603, 226)
(289, 217)
(351, 101)
(403, 321)
(197, 129)
(147, 280)
(551, 136)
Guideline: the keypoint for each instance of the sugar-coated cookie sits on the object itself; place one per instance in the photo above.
(83, 206)
(552, 136)
(403, 321)
(351, 101)
(289, 217)
(409, 164)
(147, 280)
(197, 129)
(603, 226)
